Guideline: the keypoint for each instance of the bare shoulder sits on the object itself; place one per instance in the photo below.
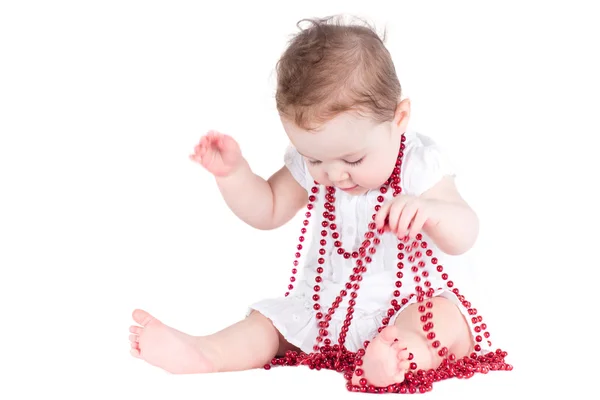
(288, 196)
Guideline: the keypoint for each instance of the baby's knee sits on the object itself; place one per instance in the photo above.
(437, 304)
(283, 344)
(443, 304)
(447, 310)
(257, 316)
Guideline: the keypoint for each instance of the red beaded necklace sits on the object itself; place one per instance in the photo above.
(337, 357)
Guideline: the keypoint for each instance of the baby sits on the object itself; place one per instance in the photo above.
(384, 259)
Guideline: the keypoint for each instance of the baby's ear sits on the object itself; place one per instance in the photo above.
(402, 113)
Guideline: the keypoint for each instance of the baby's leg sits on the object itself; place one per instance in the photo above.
(387, 357)
(250, 343)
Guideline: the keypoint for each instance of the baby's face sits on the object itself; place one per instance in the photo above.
(353, 154)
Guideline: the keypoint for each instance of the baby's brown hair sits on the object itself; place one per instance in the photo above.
(332, 67)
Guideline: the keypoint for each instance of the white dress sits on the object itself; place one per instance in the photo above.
(423, 166)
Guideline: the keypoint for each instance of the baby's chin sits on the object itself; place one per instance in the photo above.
(357, 190)
(360, 190)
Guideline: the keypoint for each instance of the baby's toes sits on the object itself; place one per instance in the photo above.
(403, 361)
(136, 329)
(134, 339)
(399, 346)
(389, 335)
(402, 352)
(400, 362)
(135, 352)
(135, 346)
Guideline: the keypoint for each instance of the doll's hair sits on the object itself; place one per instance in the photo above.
(331, 67)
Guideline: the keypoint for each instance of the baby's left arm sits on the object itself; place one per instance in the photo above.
(453, 224)
(440, 212)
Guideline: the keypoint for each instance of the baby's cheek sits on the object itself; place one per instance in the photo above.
(370, 177)
(365, 174)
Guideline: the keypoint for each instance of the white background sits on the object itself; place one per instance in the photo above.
(101, 211)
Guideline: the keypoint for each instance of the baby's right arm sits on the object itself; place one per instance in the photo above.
(263, 204)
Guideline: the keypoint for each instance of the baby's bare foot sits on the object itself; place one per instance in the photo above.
(385, 361)
(169, 349)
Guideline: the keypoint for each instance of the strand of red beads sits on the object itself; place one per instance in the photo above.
(337, 357)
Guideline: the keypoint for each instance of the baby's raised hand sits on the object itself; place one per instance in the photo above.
(220, 154)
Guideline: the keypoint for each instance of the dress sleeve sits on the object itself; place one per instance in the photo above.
(294, 162)
(425, 164)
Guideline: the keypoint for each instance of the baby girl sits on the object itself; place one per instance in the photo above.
(381, 208)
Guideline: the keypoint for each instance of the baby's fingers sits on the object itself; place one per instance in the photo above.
(201, 150)
(395, 213)
(227, 144)
(206, 141)
(417, 224)
(406, 218)
(382, 215)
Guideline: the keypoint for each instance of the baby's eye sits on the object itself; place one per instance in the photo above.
(314, 162)
(355, 163)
